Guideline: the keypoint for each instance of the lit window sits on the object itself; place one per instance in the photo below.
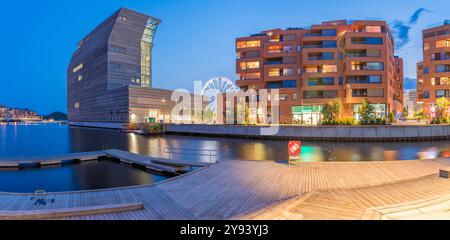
(78, 68)
(249, 65)
(329, 68)
(248, 44)
(274, 72)
(311, 69)
(426, 46)
(373, 29)
(443, 43)
(77, 105)
(250, 76)
(275, 49)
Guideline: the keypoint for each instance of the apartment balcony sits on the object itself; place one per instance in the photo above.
(320, 33)
(285, 60)
(320, 44)
(274, 63)
(249, 82)
(440, 57)
(310, 46)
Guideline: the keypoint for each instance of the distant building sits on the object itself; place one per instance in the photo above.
(410, 101)
(17, 114)
(109, 79)
(3, 112)
(433, 74)
(347, 60)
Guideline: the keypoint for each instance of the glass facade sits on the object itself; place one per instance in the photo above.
(307, 114)
(146, 52)
(321, 81)
(282, 84)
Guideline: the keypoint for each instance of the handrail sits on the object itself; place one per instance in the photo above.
(192, 151)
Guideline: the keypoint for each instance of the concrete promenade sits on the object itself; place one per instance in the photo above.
(339, 133)
(238, 189)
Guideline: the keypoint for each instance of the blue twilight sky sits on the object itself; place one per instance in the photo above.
(194, 42)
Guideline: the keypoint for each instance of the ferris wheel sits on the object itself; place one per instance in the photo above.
(215, 87)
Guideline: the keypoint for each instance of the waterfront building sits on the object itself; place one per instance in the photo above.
(17, 114)
(109, 78)
(348, 60)
(410, 102)
(3, 113)
(433, 73)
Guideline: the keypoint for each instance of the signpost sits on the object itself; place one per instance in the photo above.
(294, 150)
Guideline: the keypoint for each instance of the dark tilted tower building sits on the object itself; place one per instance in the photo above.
(109, 78)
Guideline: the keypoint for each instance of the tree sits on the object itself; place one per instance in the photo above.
(405, 113)
(331, 112)
(442, 105)
(366, 112)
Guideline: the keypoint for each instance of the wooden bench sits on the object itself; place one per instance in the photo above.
(444, 173)
(69, 212)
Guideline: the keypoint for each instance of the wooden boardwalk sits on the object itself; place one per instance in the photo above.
(421, 198)
(229, 189)
(51, 160)
(249, 189)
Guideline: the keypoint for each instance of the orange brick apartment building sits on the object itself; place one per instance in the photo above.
(433, 74)
(339, 59)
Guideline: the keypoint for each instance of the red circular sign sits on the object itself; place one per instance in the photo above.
(294, 148)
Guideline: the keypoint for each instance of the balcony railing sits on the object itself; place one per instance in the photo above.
(313, 46)
(356, 55)
(274, 63)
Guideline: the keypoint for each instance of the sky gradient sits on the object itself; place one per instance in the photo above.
(195, 40)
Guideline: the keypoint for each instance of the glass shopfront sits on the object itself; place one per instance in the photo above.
(307, 114)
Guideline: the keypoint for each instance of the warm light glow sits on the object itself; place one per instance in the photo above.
(373, 29)
(249, 44)
(78, 68)
(329, 68)
(249, 65)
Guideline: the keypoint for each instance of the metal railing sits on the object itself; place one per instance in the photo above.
(211, 154)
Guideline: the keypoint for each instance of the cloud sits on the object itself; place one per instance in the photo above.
(402, 29)
(415, 17)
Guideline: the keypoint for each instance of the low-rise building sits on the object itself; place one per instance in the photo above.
(17, 114)
(410, 102)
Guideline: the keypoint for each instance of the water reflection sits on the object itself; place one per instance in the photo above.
(56, 139)
(86, 176)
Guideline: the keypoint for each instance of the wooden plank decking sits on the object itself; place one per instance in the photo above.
(144, 161)
(51, 160)
(70, 212)
(232, 189)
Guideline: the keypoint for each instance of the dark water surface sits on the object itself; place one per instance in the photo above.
(79, 177)
(38, 140)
